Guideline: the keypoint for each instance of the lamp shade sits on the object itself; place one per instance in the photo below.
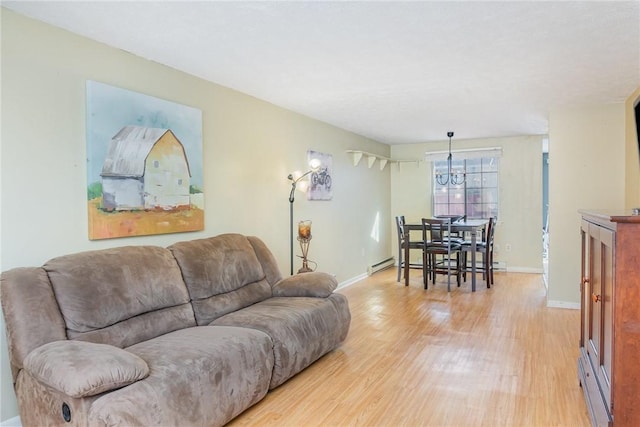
(303, 186)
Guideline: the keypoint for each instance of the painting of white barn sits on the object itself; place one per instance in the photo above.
(144, 164)
(145, 168)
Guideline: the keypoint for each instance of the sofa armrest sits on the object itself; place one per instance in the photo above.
(313, 284)
(80, 369)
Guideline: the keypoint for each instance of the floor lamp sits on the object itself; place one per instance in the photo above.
(295, 179)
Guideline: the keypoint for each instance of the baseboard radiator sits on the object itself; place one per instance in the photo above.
(500, 265)
(380, 266)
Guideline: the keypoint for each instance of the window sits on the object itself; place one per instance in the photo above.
(477, 197)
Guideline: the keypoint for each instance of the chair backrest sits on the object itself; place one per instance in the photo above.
(453, 218)
(434, 230)
(491, 229)
(487, 232)
(400, 228)
(487, 236)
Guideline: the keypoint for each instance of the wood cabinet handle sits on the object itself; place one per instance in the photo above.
(596, 298)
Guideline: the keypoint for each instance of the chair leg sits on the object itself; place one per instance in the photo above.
(434, 260)
(448, 260)
(400, 264)
(491, 265)
(487, 271)
(425, 269)
(463, 267)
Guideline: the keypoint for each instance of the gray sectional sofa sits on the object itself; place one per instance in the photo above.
(189, 335)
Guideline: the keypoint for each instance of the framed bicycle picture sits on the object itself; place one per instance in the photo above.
(321, 181)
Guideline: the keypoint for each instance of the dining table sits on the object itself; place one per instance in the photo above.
(471, 226)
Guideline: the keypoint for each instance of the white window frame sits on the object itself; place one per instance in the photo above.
(488, 189)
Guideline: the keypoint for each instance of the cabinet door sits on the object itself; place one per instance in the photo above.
(599, 306)
(585, 292)
(607, 245)
(594, 288)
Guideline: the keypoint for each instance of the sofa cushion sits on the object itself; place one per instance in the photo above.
(302, 329)
(267, 260)
(80, 369)
(222, 274)
(98, 289)
(198, 376)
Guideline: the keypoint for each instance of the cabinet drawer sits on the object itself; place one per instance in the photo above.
(600, 416)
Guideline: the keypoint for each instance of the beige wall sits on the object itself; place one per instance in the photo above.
(520, 211)
(586, 171)
(249, 148)
(632, 171)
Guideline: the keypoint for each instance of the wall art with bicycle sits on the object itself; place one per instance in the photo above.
(321, 180)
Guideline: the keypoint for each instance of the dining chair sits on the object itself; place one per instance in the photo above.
(485, 248)
(402, 244)
(440, 254)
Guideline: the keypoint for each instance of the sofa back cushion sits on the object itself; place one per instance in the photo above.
(120, 296)
(223, 274)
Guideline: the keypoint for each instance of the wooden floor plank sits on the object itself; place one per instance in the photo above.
(415, 357)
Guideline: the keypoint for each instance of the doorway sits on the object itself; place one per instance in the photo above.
(545, 210)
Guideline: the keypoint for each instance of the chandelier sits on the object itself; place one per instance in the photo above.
(455, 178)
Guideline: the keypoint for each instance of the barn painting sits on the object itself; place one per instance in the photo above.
(144, 158)
(145, 168)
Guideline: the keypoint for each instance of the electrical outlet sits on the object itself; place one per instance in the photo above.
(507, 247)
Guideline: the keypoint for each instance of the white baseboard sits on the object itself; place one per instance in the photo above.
(353, 280)
(11, 422)
(363, 276)
(525, 270)
(563, 304)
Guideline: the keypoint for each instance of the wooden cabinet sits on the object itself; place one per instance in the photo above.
(609, 362)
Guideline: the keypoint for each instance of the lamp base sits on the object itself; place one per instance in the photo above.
(304, 246)
(304, 269)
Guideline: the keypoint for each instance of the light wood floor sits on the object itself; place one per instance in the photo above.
(496, 357)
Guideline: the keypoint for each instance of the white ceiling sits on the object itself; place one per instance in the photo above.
(397, 72)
